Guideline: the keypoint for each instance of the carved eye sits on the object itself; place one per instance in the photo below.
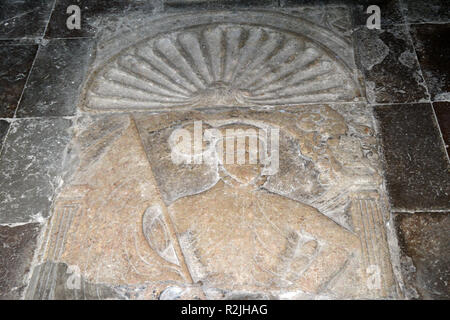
(157, 235)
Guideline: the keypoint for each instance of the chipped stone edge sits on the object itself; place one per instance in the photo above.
(392, 239)
(44, 222)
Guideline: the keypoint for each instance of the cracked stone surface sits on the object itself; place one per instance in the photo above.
(54, 85)
(29, 167)
(177, 5)
(16, 252)
(24, 19)
(209, 64)
(425, 243)
(128, 216)
(420, 11)
(14, 69)
(95, 14)
(433, 52)
(390, 66)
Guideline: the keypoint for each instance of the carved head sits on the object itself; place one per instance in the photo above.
(245, 153)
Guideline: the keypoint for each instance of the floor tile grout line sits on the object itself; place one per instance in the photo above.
(440, 130)
(399, 103)
(428, 22)
(400, 211)
(69, 38)
(34, 60)
(391, 235)
(276, 108)
(12, 120)
(435, 119)
(49, 18)
(26, 81)
(35, 39)
(18, 224)
(408, 29)
(404, 11)
(390, 25)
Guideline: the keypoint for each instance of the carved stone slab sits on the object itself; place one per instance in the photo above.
(139, 218)
(129, 218)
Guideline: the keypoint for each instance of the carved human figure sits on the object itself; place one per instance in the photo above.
(237, 235)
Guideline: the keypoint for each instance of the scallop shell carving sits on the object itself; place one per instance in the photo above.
(220, 65)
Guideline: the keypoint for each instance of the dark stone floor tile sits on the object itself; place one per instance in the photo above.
(20, 42)
(26, 18)
(427, 11)
(417, 170)
(16, 253)
(391, 12)
(389, 64)
(442, 110)
(336, 18)
(93, 13)
(217, 4)
(29, 168)
(433, 50)
(15, 65)
(424, 240)
(288, 3)
(54, 84)
(4, 125)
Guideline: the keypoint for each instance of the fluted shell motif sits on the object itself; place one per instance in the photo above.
(220, 65)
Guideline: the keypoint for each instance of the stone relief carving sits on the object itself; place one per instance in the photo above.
(139, 226)
(233, 63)
(214, 229)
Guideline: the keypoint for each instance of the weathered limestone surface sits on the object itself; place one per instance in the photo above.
(128, 216)
(24, 19)
(132, 222)
(248, 58)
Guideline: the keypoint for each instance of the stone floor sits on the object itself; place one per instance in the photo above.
(99, 199)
